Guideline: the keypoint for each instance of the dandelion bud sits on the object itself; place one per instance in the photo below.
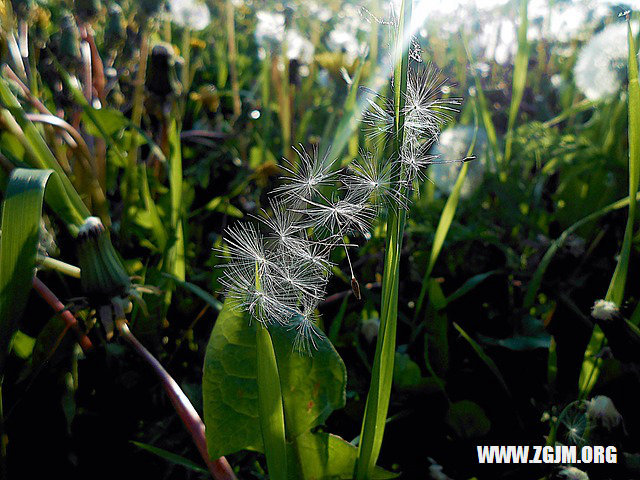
(601, 410)
(161, 79)
(102, 274)
(114, 32)
(21, 8)
(69, 41)
(87, 10)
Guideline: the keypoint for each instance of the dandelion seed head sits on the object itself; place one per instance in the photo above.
(193, 14)
(304, 180)
(604, 310)
(374, 179)
(601, 66)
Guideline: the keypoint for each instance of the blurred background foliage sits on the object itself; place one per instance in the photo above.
(185, 110)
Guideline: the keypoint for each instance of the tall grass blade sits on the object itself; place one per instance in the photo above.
(520, 68)
(378, 398)
(615, 293)
(270, 406)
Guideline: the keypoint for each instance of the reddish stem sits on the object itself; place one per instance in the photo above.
(68, 318)
(220, 468)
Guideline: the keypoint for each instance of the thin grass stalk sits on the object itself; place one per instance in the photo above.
(377, 406)
(271, 410)
(136, 118)
(233, 59)
(615, 293)
(519, 77)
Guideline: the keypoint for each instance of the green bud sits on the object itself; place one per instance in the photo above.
(162, 79)
(69, 41)
(114, 32)
(102, 275)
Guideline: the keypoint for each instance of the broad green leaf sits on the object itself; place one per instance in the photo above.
(323, 456)
(21, 214)
(312, 386)
(171, 457)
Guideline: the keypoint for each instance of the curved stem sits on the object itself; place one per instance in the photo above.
(220, 468)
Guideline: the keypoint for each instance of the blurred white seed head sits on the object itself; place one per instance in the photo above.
(604, 310)
(601, 66)
(602, 411)
(193, 14)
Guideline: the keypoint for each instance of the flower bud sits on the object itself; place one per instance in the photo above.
(102, 274)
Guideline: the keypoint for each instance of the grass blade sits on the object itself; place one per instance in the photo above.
(21, 214)
(171, 457)
(615, 293)
(520, 68)
(270, 406)
(378, 398)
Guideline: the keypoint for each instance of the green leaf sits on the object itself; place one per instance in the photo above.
(312, 387)
(68, 204)
(484, 357)
(22, 344)
(270, 405)
(323, 456)
(171, 457)
(467, 419)
(21, 213)
(406, 372)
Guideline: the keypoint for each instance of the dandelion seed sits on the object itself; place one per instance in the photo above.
(341, 217)
(604, 310)
(375, 180)
(306, 330)
(284, 226)
(255, 294)
(246, 247)
(425, 111)
(304, 181)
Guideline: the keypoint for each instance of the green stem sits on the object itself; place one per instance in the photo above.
(382, 374)
(270, 405)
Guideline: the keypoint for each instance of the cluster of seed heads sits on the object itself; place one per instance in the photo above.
(278, 269)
